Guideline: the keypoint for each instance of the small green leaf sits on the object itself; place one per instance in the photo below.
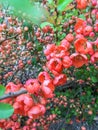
(34, 61)
(2, 90)
(94, 79)
(50, 1)
(82, 16)
(6, 110)
(63, 4)
(45, 24)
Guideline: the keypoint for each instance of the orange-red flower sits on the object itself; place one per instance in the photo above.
(43, 76)
(60, 51)
(11, 87)
(46, 92)
(82, 4)
(60, 79)
(79, 26)
(55, 65)
(32, 85)
(87, 30)
(70, 37)
(94, 57)
(65, 44)
(67, 62)
(49, 49)
(36, 111)
(78, 60)
(22, 104)
(48, 83)
(83, 46)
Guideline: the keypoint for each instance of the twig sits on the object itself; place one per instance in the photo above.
(8, 38)
(13, 94)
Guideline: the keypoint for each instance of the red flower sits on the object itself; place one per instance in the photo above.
(83, 46)
(87, 30)
(79, 26)
(78, 60)
(22, 104)
(59, 52)
(55, 65)
(49, 49)
(32, 85)
(94, 57)
(49, 84)
(66, 62)
(65, 44)
(69, 37)
(82, 4)
(46, 92)
(36, 111)
(43, 76)
(11, 87)
(60, 79)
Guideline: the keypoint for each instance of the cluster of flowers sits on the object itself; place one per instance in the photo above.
(33, 103)
(74, 50)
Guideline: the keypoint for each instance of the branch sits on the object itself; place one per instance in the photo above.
(8, 38)
(13, 94)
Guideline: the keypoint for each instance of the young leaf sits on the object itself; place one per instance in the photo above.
(6, 110)
(94, 79)
(2, 90)
(63, 4)
(45, 24)
(82, 16)
(50, 1)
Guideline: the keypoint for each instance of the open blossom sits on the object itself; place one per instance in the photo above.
(60, 51)
(43, 76)
(65, 44)
(11, 87)
(78, 60)
(46, 92)
(60, 79)
(83, 46)
(87, 30)
(79, 26)
(49, 83)
(22, 104)
(69, 37)
(32, 85)
(94, 57)
(36, 111)
(82, 4)
(48, 50)
(66, 62)
(55, 65)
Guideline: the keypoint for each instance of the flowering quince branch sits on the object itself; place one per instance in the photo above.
(8, 38)
(13, 94)
(58, 58)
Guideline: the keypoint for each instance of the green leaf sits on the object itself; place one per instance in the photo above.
(94, 79)
(2, 90)
(63, 4)
(82, 16)
(6, 110)
(50, 1)
(34, 61)
(45, 24)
